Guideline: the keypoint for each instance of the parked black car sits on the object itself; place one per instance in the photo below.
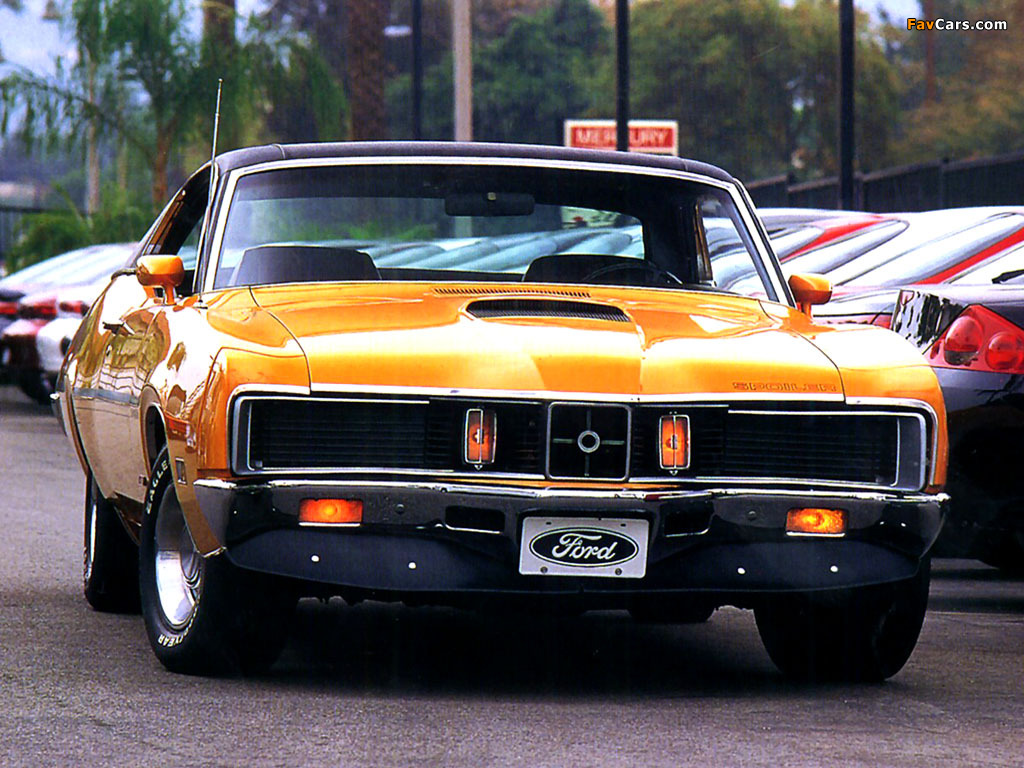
(973, 336)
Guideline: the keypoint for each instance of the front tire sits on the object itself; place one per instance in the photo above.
(110, 572)
(859, 635)
(37, 385)
(203, 615)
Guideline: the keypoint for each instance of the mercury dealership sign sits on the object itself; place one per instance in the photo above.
(656, 136)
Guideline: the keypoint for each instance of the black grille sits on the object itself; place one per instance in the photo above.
(579, 441)
(588, 441)
(842, 447)
(820, 446)
(342, 434)
(545, 308)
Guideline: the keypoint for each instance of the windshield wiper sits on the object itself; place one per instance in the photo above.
(1007, 276)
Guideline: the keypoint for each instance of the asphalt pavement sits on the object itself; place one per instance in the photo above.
(379, 684)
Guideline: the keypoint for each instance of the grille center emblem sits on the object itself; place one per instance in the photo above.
(588, 441)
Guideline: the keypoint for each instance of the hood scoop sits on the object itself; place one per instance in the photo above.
(571, 293)
(489, 309)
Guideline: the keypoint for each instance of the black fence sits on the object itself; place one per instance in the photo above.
(986, 181)
(925, 186)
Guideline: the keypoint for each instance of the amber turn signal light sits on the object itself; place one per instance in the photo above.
(674, 447)
(813, 520)
(481, 436)
(330, 511)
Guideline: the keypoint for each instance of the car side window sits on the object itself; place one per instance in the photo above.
(732, 266)
(178, 233)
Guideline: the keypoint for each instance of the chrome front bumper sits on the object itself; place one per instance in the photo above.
(466, 538)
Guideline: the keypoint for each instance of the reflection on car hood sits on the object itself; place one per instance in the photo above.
(576, 340)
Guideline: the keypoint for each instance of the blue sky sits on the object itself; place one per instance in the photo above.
(27, 40)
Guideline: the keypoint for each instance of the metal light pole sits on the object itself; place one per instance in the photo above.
(846, 107)
(463, 50)
(622, 75)
(417, 69)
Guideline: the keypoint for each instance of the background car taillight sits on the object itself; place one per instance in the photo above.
(42, 308)
(74, 307)
(980, 340)
(883, 320)
(8, 309)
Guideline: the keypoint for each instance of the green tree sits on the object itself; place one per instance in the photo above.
(145, 77)
(535, 72)
(305, 100)
(814, 90)
(140, 77)
(753, 83)
(979, 108)
(120, 218)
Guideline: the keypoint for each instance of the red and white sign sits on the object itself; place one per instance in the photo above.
(659, 137)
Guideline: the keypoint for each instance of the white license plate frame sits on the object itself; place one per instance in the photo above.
(584, 546)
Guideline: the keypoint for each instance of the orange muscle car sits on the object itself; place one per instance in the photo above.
(453, 373)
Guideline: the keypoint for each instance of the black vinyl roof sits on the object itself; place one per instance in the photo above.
(241, 158)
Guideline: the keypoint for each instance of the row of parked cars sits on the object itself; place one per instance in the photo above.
(948, 280)
(42, 306)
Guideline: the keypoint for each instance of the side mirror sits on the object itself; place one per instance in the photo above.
(164, 272)
(809, 290)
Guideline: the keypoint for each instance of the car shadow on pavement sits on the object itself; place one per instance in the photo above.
(14, 403)
(969, 586)
(439, 650)
(979, 604)
(972, 570)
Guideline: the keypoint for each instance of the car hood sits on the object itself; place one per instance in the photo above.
(579, 342)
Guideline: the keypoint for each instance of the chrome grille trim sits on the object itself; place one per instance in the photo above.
(914, 454)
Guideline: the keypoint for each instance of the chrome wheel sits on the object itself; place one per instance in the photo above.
(179, 567)
(203, 616)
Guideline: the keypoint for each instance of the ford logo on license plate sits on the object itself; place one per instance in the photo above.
(584, 547)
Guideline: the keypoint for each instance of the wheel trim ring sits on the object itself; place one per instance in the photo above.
(90, 538)
(177, 565)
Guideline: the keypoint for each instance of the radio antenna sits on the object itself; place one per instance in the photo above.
(213, 149)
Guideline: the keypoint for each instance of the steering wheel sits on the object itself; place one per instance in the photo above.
(634, 265)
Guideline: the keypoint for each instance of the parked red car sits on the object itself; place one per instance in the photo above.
(19, 358)
(870, 296)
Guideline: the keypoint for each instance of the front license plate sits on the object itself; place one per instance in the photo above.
(584, 546)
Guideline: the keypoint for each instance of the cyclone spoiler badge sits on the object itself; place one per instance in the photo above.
(584, 547)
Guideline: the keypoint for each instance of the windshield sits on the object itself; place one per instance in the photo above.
(96, 263)
(470, 222)
(787, 241)
(838, 252)
(83, 265)
(1004, 263)
(937, 256)
(37, 273)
